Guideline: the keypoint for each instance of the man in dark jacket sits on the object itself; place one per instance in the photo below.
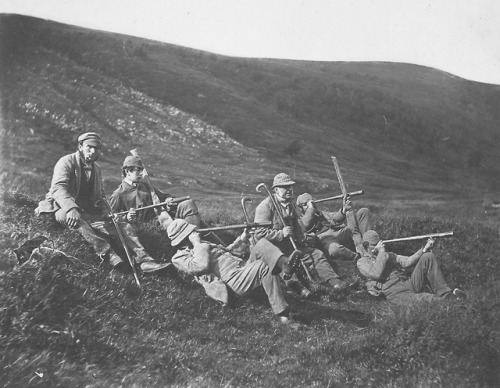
(75, 198)
(134, 193)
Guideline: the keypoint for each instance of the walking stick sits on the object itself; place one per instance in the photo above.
(351, 219)
(259, 188)
(122, 240)
(244, 200)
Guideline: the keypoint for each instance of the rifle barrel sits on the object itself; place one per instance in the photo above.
(340, 196)
(173, 200)
(421, 237)
(238, 226)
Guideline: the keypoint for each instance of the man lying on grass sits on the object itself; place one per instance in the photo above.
(387, 276)
(200, 258)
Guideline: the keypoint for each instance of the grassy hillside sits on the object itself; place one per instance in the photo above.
(217, 126)
(415, 139)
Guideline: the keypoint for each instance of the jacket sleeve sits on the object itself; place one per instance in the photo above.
(373, 269)
(61, 181)
(309, 218)
(117, 204)
(263, 213)
(194, 261)
(409, 261)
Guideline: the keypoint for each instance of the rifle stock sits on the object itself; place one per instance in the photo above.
(172, 200)
(421, 237)
(237, 226)
(340, 196)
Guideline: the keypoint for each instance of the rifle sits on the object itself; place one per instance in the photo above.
(145, 176)
(122, 240)
(237, 226)
(351, 219)
(421, 237)
(353, 194)
(172, 201)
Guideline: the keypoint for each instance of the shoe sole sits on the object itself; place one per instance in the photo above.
(156, 269)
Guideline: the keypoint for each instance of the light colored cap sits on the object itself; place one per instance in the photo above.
(371, 237)
(304, 198)
(178, 230)
(282, 179)
(91, 138)
(132, 161)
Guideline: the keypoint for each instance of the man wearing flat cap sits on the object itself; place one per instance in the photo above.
(280, 234)
(338, 235)
(388, 277)
(75, 200)
(218, 269)
(134, 193)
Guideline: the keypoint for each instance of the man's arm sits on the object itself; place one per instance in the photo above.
(60, 187)
(195, 261)
(309, 216)
(263, 213)
(373, 269)
(409, 261)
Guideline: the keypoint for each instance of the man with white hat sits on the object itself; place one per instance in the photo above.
(387, 276)
(222, 268)
(134, 193)
(280, 234)
(75, 198)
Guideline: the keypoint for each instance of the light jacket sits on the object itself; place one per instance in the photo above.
(66, 184)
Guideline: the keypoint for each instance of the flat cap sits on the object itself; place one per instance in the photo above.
(304, 198)
(371, 237)
(91, 138)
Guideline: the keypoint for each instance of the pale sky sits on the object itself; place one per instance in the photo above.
(458, 36)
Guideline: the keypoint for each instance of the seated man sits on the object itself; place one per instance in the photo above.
(280, 235)
(197, 257)
(386, 275)
(76, 199)
(334, 236)
(133, 192)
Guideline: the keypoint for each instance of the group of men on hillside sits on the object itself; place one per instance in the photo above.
(301, 240)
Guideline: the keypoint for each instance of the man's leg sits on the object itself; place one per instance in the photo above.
(428, 272)
(316, 261)
(254, 275)
(188, 211)
(334, 246)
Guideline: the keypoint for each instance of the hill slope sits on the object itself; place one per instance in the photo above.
(218, 125)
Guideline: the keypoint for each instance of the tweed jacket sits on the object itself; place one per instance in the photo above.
(66, 185)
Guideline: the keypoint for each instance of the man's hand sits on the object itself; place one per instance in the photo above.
(132, 215)
(245, 235)
(287, 231)
(168, 205)
(195, 238)
(73, 218)
(310, 204)
(346, 205)
(429, 244)
(380, 247)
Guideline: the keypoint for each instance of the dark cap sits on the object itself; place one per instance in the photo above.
(91, 138)
(132, 161)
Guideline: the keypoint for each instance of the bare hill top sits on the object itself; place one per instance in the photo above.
(211, 125)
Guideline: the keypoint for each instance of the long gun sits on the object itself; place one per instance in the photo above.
(172, 201)
(237, 226)
(244, 200)
(351, 219)
(353, 194)
(421, 237)
(122, 240)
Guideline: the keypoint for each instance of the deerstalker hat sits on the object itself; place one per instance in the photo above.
(282, 179)
(91, 138)
(178, 230)
(304, 198)
(132, 161)
(371, 237)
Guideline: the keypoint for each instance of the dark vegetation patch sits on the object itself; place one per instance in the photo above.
(75, 322)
